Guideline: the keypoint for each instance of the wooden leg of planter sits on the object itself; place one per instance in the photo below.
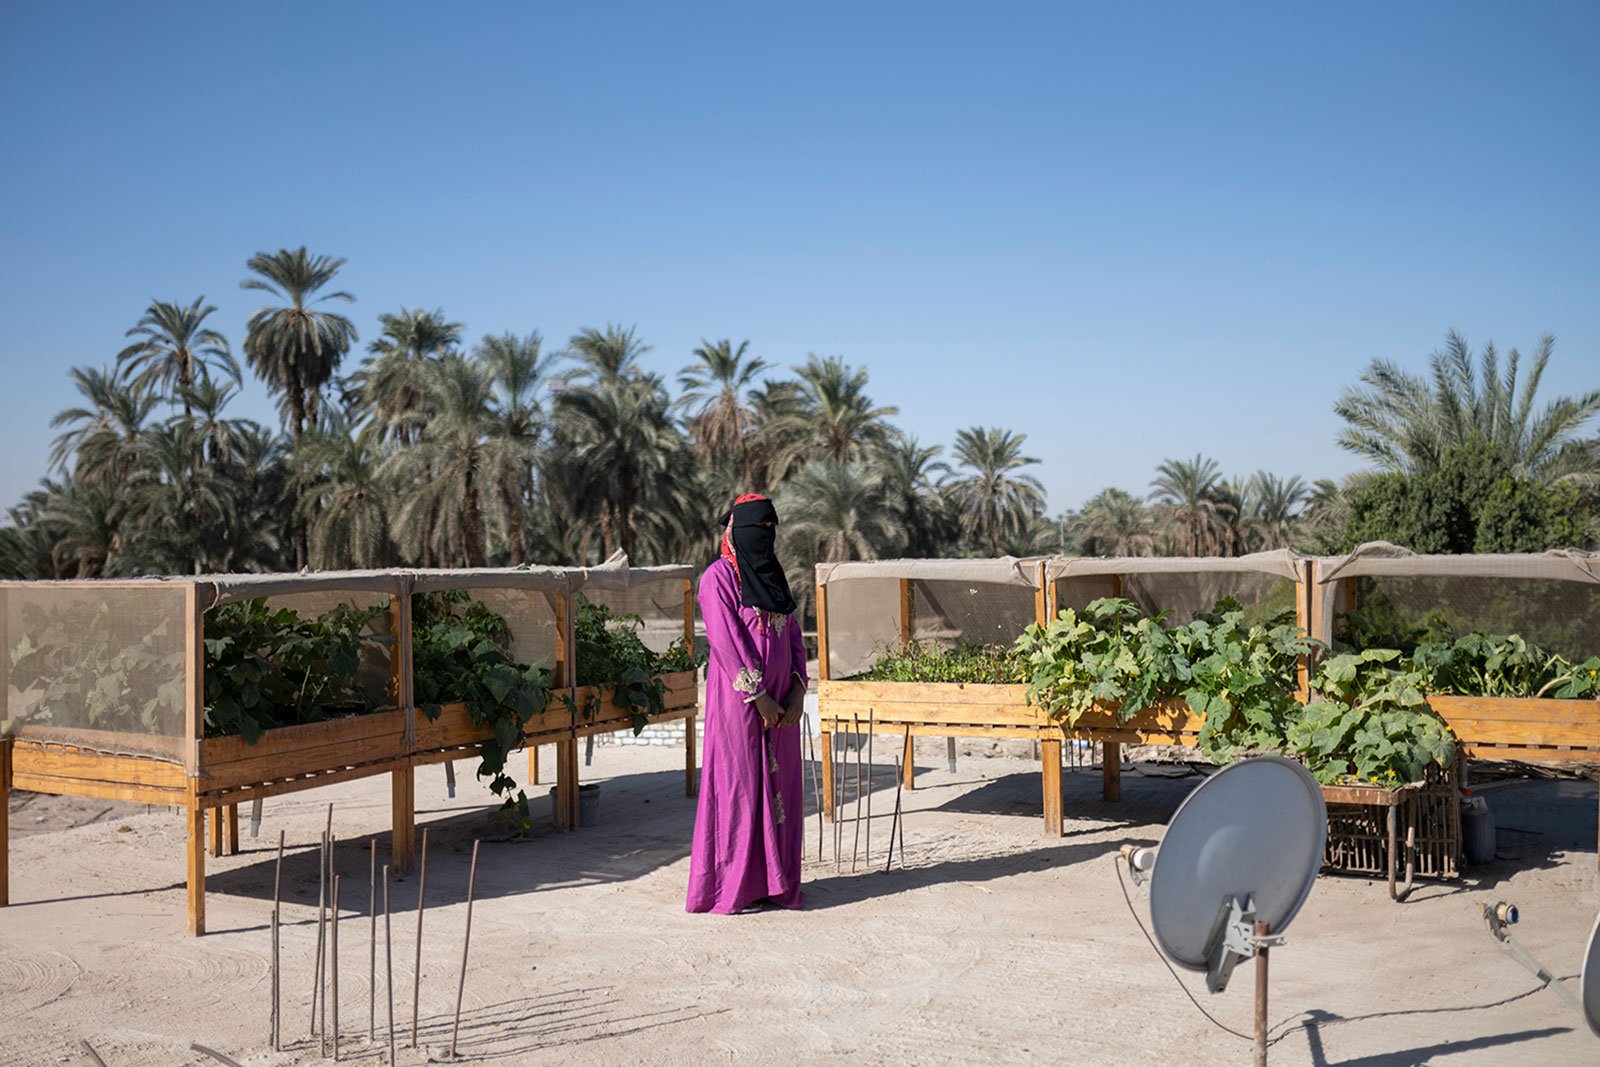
(231, 830)
(1050, 766)
(827, 774)
(691, 769)
(533, 764)
(1111, 771)
(403, 801)
(566, 807)
(197, 866)
(214, 825)
(5, 822)
(908, 767)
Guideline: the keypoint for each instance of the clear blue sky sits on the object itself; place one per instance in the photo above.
(1130, 234)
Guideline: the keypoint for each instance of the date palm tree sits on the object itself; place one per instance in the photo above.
(716, 398)
(519, 370)
(607, 356)
(178, 504)
(991, 497)
(102, 436)
(912, 474)
(391, 380)
(295, 346)
(175, 348)
(1275, 505)
(346, 502)
(1187, 497)
(445, 481)
(826, 416)
(1405, 422)
(85, 522)
(1113, 522)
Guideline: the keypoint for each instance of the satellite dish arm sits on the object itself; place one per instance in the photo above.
(1500, 917)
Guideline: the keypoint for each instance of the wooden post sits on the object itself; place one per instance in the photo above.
(196, 816)
(533, 764)
(1111, 770)
(691, 768)
(214, 832)
(5, 820)
(403, 804)
(194, 723)
(908, 764)
(1050, 755)
(905, 610)
(822, 638)
(1302, 613)
(827, 766)
(230, 831)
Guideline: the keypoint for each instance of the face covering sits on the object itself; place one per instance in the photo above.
(752, 548)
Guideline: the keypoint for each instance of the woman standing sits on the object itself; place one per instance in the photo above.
(748, 825)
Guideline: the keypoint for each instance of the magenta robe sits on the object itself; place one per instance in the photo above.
(744, 850)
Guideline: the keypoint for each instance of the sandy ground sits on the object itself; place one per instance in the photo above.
(995, 944)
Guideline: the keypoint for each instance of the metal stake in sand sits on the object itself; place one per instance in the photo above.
(333, 960)
(461, 986)
(416, 977)
(322, 915)
(816, 779)
(388, 958)
(855, 848)
(894, 824)
(255, 818)
(277, 898)
(450, 779)
(870, 768)
(839, 802)
(372, 956)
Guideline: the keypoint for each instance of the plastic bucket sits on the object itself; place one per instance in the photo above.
(588, 803)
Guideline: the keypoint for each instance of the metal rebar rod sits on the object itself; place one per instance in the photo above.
(416, 976)
(388, 958)
(277, 971)
(89, 1051)
(466, 940)
(902, 830)
(226, 1061)
(255, 818)
(372, 955)
(855, 847)
(322, 913)
(333, 965)
(867, 858)
(839, 802)
(1259, 1058)
(894, 823)
(323, 1028)
(816, 783)
(450, 779)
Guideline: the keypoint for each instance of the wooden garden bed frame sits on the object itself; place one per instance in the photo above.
(228, 772)
(1486, 728)
(950, 710)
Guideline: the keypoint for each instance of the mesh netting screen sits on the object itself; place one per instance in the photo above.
(530, 617)
(1400, 611)
(1182, 596)
(865, 617)
(374, 675)
(98, 667)
(657, 603)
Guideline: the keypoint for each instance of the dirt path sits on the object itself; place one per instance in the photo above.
(994, 945)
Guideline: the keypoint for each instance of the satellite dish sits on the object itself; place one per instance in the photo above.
(1238, 860)
(1586, 1002)
(1254, 831)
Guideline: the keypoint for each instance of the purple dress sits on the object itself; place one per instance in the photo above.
(747, 831)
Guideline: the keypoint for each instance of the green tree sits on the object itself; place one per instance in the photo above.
(1472, 501)
(346, 501)
(1113, 522)
(102, 437)
(912, 475)
(519, 371)
(828, 417)
(1275, 505)
(716, 398)
(175, 349)
(1187, 497)
(992, 497)
(1407, 423)
(391, 380)
(294, 346)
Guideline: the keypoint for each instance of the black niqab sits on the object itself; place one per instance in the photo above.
(762, 583)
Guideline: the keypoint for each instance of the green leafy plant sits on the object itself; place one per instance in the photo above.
(460, 652)
(1111, 656)
(268, 667)
(83, 671)
(610, 653)
(1242, 678)
(918, 661)
(1373, 723)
